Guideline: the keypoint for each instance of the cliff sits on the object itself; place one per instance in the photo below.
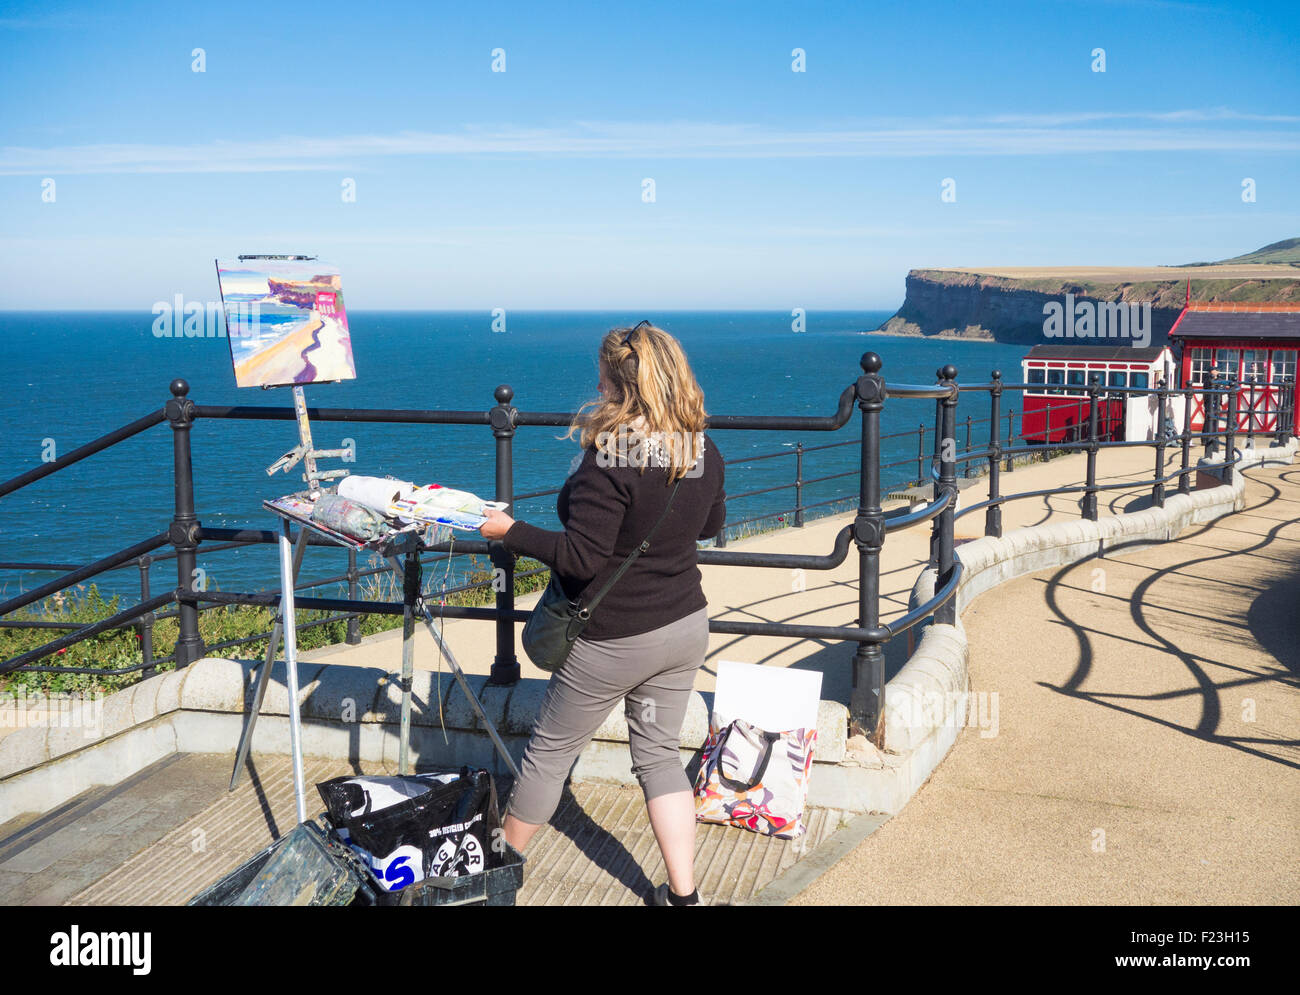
(302, 292)
(1007, 305)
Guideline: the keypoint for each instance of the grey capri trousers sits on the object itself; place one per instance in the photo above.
(653, 672)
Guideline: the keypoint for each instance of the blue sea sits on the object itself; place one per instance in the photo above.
(67, 378)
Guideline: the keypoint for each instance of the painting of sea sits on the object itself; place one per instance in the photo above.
(285, 321)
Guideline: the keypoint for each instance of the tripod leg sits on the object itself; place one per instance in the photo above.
(410, 593)
(435, 629)
(263, 677)
(291, 671)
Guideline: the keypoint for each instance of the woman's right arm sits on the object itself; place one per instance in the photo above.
(717, 515)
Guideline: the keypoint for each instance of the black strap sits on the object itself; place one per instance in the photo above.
(585, 613)
(770, 739)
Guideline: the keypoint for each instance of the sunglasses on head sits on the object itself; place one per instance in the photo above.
(627, 339)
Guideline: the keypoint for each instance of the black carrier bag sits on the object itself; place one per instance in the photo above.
(427, 839)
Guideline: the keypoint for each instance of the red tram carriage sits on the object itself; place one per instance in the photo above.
(1056, 400)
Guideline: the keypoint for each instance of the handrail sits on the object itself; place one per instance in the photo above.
(941, 597)
(899, 520)
(868, 531)
(85, 632)
(86, 572)
(915, 391)
(81, 452)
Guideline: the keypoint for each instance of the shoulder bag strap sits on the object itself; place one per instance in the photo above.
(585, 612)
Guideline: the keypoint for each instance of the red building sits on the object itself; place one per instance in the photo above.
(1056, 398)
(1251, 345)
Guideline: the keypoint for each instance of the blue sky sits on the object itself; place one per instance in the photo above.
(523, 188)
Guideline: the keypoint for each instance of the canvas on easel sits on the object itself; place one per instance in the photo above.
(285, 321)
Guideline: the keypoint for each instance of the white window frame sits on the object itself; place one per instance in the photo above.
(1199, 371)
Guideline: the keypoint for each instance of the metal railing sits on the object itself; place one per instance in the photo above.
(867, 532)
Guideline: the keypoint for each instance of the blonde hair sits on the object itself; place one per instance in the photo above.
(649, 389)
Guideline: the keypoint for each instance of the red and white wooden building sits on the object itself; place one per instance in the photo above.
(1055, 404)
(1251, 345)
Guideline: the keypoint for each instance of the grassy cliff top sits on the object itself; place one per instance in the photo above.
(1269, 273)
(1277, 261)
(1285, 251)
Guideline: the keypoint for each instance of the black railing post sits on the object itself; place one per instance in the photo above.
(1250, 417)
(1158, 488)
(1210, 418)
(993, 513)
(146, 620)
(1281, 412)
(1184, 479)
(967, 464)
(1230, 436)
(1288, 406)
(920, 454)
(1280, 407)
(935, 460)
(505, 665)
(867, 699)
(354, 623)
(184, 529)
(946, 614)
(1011, 440)
(798, 485)
(1089, 503)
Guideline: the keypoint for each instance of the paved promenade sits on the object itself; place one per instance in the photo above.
(1148, 734)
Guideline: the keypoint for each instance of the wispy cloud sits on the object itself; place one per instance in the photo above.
(1179, 116)
(1003, 135)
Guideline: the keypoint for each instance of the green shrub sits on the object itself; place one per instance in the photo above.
(121, 648)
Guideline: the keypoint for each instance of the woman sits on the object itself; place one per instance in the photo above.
(649, 635)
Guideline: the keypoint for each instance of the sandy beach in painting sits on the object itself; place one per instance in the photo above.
(319, 350)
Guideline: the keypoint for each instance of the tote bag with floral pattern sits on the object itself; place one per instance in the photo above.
(754, 779)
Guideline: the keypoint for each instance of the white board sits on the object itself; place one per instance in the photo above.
(775, 699)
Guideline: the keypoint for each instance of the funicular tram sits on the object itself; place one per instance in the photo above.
(1056, 406)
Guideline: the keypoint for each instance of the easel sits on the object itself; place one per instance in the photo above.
(406, 542)
(290, 563)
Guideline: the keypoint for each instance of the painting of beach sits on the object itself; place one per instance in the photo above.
(285, 321)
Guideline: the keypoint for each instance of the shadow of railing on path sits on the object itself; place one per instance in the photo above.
(1271, 618)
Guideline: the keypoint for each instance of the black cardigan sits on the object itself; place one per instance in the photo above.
(606, 512)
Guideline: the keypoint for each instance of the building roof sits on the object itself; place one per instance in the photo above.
(1238, 321)
(1097, 353)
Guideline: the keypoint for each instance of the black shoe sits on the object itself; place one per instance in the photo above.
(661, 896)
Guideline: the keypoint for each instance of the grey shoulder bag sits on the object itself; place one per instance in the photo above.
(557, 622)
